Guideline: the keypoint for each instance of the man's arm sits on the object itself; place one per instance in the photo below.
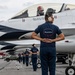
(35, 36)
(38, 52)
(60, 37)
(30, 52)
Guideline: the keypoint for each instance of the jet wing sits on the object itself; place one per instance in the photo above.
(65, 46)
(18, 45)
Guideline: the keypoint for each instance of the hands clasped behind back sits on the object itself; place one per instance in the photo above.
(47, 40)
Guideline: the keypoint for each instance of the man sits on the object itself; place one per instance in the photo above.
(34, 52)
(19, 57)
(27, 56)
(48, 38)
(23, 58)
(40, 11)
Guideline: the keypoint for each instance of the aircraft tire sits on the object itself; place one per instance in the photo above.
(38, 65)
(70, 70)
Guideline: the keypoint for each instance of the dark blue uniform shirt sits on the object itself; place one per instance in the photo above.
(34, 50)
(26, 53)
(48, 30)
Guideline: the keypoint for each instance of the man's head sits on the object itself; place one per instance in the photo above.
(33, 45)
(40, 8)
(26, 49)
(40, 11)
(49, 17)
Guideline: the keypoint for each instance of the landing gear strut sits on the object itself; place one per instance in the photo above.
(70, 70)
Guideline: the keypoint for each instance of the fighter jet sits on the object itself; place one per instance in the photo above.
(21, 26)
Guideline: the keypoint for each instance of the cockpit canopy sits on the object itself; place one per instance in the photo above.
(47, 7)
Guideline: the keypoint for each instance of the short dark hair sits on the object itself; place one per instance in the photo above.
(47, 15)
(33, 44)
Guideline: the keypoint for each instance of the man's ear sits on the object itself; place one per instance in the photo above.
(49, 19)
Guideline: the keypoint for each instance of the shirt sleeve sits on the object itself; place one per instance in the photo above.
(31, 50)
(28, 52)
(58, 31)
(37, 49)
(24, 52)
(37, 30)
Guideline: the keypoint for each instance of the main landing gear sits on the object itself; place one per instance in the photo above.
(70, 70)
